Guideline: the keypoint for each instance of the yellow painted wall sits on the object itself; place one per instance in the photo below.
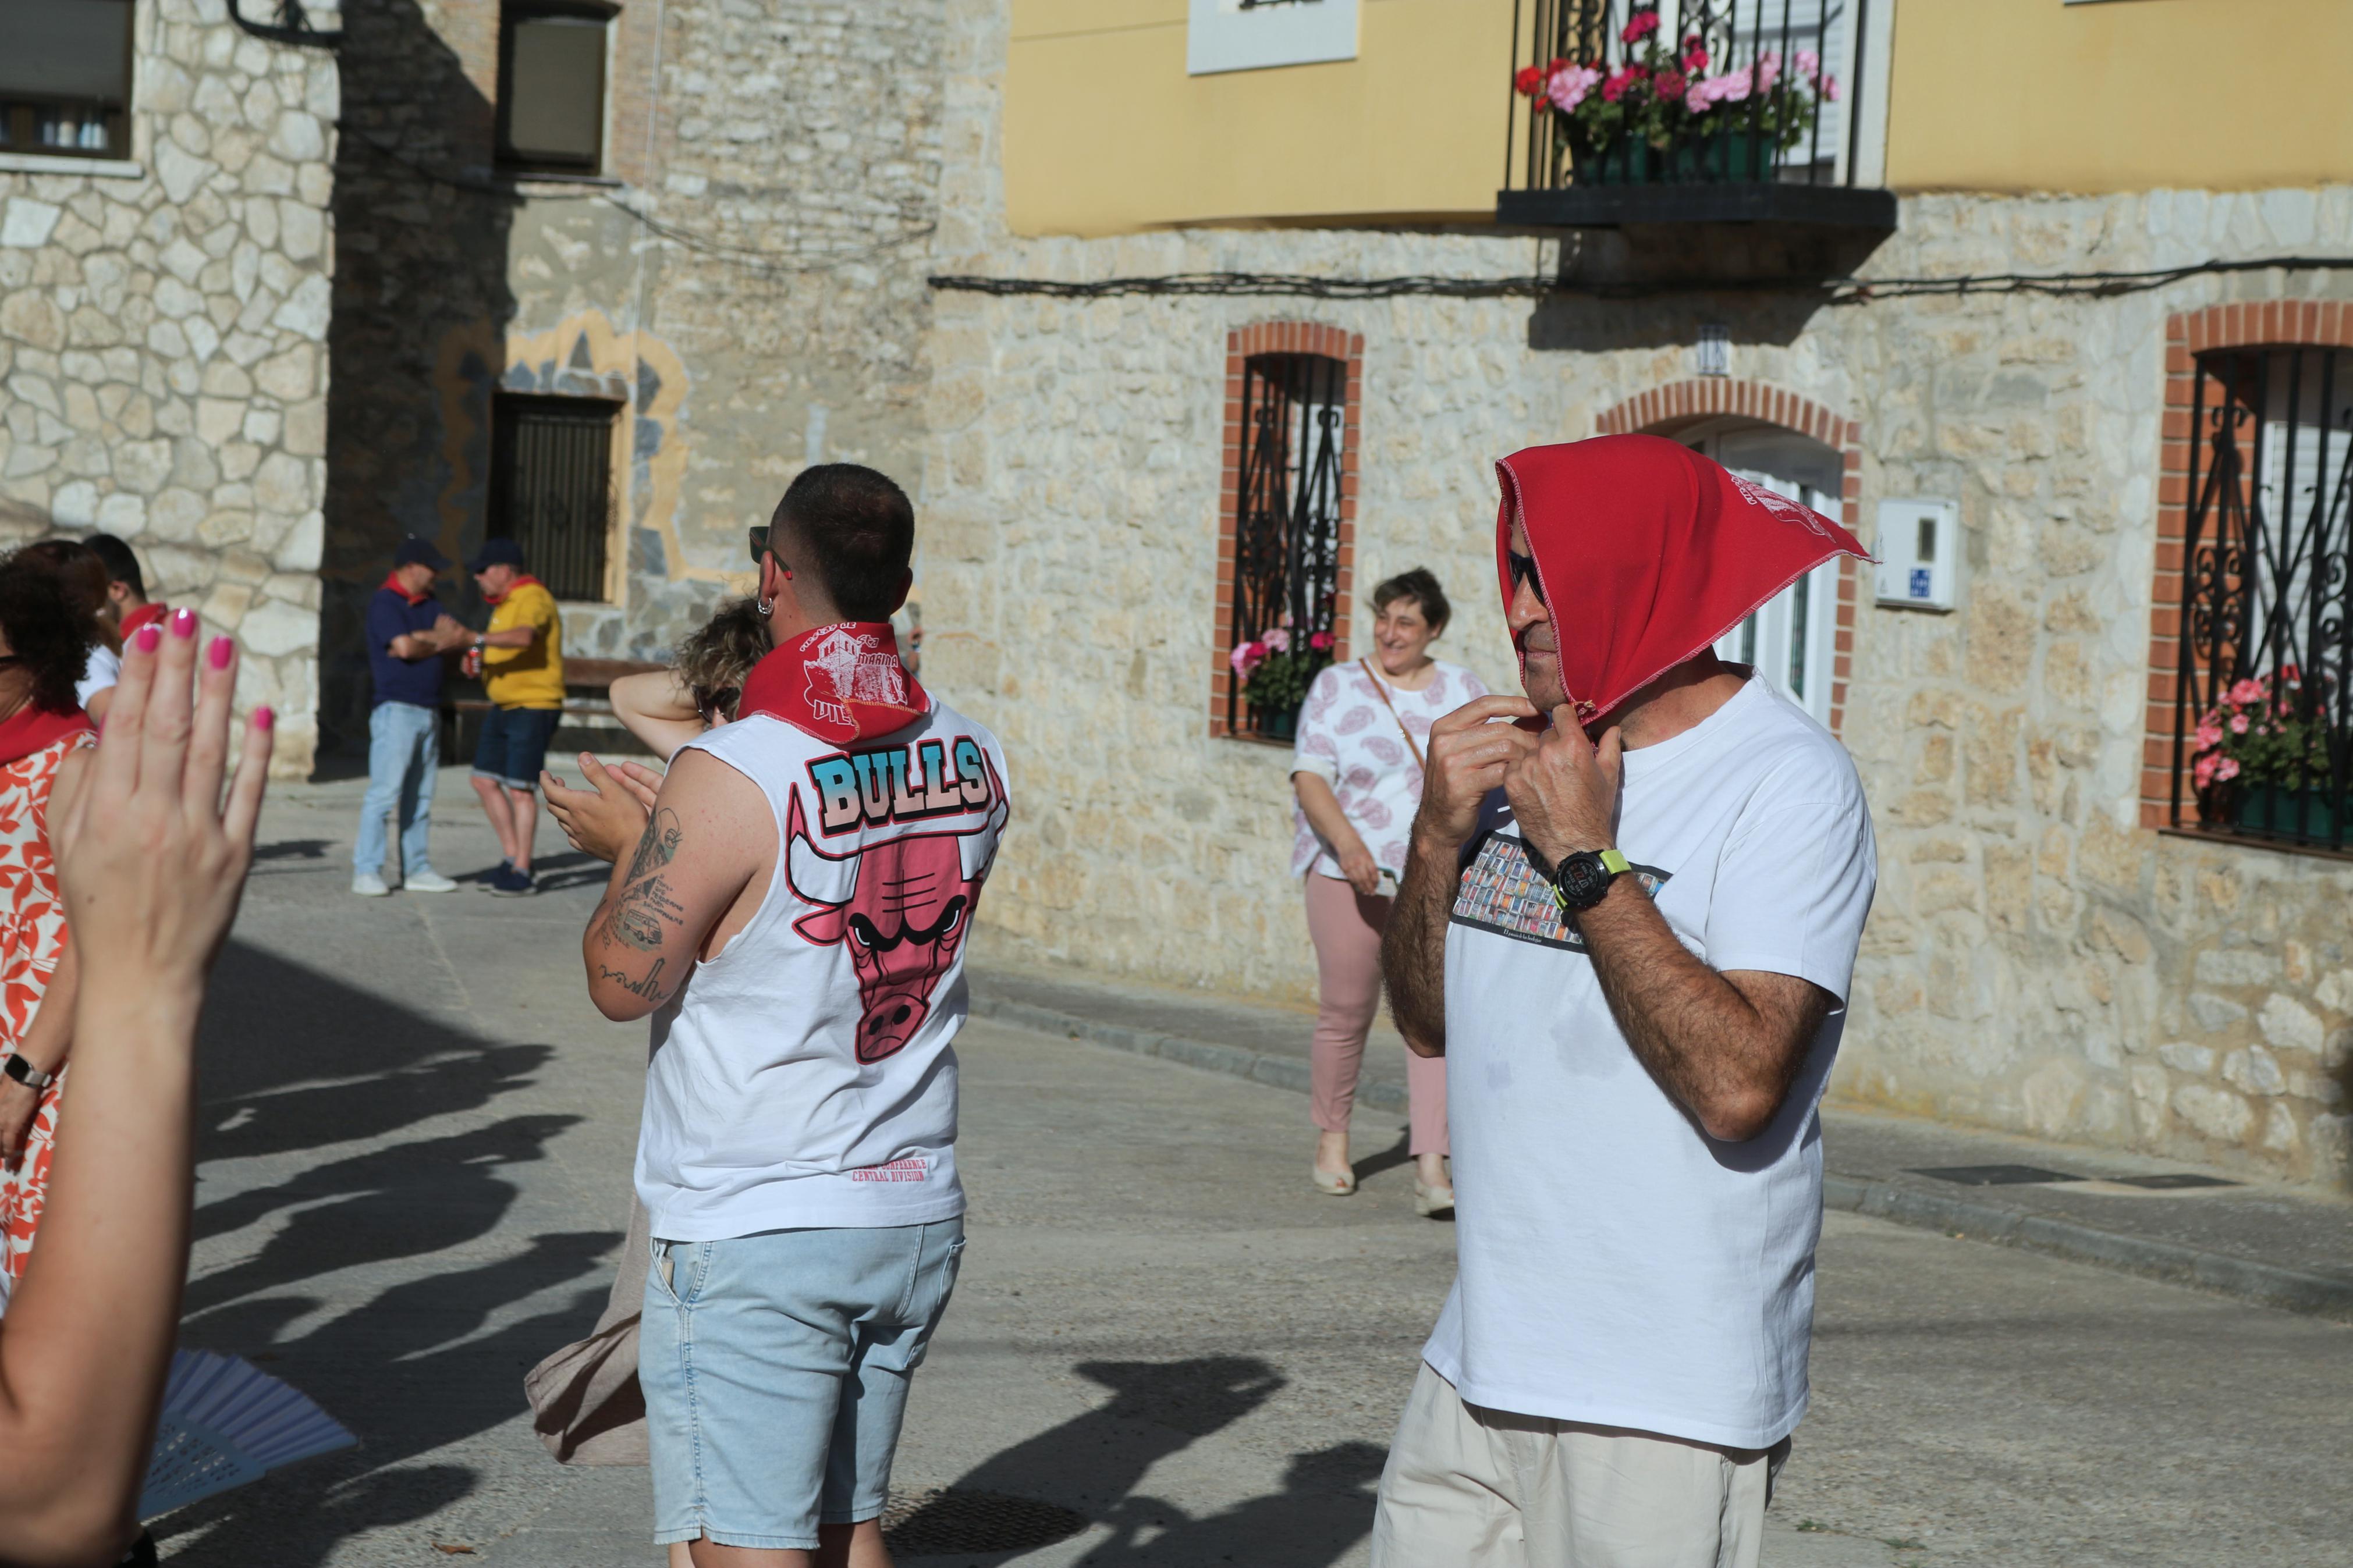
(1105, 133)
(2025, 95)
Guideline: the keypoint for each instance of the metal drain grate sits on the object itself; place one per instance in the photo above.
(943, 1520)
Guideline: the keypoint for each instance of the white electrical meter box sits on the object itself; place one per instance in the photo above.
(1919, 548)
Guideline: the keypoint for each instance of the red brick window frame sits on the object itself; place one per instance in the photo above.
(2272, 323)
(1663, 410)
(1241, 344)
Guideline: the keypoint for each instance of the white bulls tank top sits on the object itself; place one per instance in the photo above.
(806, 1076)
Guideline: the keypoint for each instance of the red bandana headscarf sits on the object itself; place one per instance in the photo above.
(840, 683)
(1646, 554)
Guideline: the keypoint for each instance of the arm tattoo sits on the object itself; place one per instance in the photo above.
(650, 987)
(658, 846)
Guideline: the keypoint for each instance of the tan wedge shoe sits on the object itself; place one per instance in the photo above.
(1432, 1203)
(1333, 1184)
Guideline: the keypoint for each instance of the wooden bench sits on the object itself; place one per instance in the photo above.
(587, 702)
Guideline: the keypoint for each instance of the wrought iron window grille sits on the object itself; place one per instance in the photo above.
(2264, 698)
(552, 489)
(1286, 518)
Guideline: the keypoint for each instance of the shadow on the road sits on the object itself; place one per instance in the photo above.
(293, 1060)
(1093, 1462)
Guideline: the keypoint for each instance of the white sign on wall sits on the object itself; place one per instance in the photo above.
(1919, 549)
(1249, 35)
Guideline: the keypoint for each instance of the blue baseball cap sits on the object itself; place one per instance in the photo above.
(497, 553)
(417, 551)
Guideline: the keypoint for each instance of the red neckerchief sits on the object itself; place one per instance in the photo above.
(148, 615)
(392, 585)
(840, 683)
(30, 729)
(1647, 553)
(526, 581)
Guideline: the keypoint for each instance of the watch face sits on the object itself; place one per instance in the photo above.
(1582, 878)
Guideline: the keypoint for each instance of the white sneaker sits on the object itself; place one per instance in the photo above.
(429, 880)
(368, 885)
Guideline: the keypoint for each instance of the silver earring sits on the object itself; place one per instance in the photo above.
(767, 606)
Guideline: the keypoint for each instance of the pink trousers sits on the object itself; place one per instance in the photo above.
(1346, 927)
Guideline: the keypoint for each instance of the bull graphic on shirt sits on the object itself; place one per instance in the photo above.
(901, 906)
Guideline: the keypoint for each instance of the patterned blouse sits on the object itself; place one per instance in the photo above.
(1349, 739)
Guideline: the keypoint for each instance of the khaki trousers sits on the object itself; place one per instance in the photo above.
(1468, 1488)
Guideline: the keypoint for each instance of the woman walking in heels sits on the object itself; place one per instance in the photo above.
(1357, 773)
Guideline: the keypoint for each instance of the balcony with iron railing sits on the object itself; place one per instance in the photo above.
(1628, 113)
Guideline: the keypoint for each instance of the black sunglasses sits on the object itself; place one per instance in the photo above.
(760, 548)
(1523, 570)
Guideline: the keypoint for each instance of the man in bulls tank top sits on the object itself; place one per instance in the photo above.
(793, 918)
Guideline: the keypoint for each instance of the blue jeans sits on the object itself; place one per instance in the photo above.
(404, 749)
(776, 1369)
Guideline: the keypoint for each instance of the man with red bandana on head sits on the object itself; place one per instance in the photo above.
(793, 917)
(1628, 920)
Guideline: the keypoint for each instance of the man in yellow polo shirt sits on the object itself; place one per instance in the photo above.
(520, 660)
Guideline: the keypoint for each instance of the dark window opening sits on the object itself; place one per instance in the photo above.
(65, 78)
(552, 489)
(552, 87)
(1287, 524)
(2263, 705)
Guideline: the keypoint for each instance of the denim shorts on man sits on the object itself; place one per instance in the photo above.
(513, 746)
(775, 1370)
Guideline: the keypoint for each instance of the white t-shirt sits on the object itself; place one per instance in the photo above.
(101, 669)
(804, 1075)
(1617, 1266)
(1347, 739)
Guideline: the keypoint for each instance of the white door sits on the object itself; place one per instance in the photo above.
(1794, 637)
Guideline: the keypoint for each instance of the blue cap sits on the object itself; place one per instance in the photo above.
(417, 551)
(497, 553)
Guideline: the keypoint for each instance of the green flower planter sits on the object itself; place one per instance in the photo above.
(1724, 158)
(1275, 724)
(2309, 814)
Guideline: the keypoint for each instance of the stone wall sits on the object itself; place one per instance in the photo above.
(750, 289)
(163, 329)
(2037, 960)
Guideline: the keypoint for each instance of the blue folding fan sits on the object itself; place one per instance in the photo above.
(225, 1422)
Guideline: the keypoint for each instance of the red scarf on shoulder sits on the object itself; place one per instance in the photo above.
(525, 580)
(840, 683)
(147, 615)
(391, 586)
(1646, 554)
(30, 729)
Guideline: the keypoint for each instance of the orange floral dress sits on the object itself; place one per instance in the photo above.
(32, 936)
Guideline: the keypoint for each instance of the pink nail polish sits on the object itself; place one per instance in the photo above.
(218, 654)
(265, 718)
(149, 636)
(183, 623)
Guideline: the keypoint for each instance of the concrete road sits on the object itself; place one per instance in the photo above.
(416, 1138)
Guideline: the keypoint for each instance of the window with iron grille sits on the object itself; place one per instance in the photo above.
(1287, 512)
(2261, 723)
(551, 85)
(64, 78)
(552, 489)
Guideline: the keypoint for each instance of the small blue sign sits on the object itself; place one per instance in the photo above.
(1920, 583)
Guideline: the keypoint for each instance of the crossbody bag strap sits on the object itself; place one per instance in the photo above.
(1380, 691)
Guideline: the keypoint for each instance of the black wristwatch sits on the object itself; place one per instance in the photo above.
(25, 1073)
(1581, 879)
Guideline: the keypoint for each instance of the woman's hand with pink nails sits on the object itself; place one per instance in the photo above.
(151, 898)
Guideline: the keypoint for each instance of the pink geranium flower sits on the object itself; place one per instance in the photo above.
(1246, 658)
(1768, 71)
(1320, 642)
(2226, 768)
(1830, 89)
(2209, 737)
(2245, 691)
(2238, 723)
(1278, 641)
(2201, 773)
(1806, 64)
(1641, 26)
(1694, 53)
(1570, 86)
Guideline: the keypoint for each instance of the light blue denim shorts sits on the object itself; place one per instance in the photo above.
(775, 1370)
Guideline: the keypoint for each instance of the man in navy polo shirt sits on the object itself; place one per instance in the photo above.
(408, 633)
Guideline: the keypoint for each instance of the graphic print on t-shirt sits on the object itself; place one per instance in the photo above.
(900, 905)
(1502, 893)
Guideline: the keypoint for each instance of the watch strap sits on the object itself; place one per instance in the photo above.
(25, 1073)
(1617, 865)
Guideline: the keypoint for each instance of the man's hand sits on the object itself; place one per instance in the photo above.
(1564, 790)
(1468, 755)
(610, 815)
(18, 1106)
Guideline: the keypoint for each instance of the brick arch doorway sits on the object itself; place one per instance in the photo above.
(1803, 641)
